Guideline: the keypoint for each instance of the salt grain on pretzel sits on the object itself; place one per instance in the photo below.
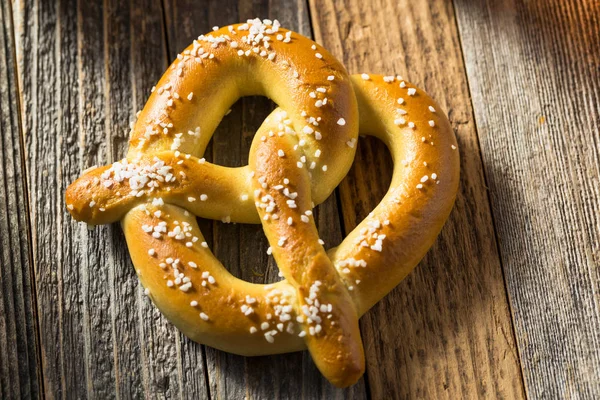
(298, 156)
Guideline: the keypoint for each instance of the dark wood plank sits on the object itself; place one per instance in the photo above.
(445, 332)
(19, 368)
(85, 68)
(534, 73)
(242, 248)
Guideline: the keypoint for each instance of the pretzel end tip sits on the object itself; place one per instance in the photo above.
(85, 200)
(349, 373)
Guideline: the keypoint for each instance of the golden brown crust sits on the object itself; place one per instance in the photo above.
(422, 192)
(163, 184)
(294, 77)
(227, 191)
(334, 340)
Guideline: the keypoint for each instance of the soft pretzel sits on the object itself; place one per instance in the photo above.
(298, 156)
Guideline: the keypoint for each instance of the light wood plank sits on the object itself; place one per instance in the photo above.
(242, 248)
(533, 69)
(19, 369)
(445, 332)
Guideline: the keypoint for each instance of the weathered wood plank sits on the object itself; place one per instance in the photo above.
(19, 368)
(41, 100)
(118, 103)
(534, 74)
(84, 68)
(242, 248)
(446, 331)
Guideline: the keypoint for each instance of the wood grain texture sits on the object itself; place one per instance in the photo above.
(446, 331)
(19, 367)
(242, 248)
(536, 97)
(533, 67)
(84, 68)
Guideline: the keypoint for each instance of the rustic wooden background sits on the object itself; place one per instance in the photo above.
(505, 305)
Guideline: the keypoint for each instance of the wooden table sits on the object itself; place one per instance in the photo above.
(507, 302)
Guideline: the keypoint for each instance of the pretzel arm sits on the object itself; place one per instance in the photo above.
(282, 192)
(105, 194)
(225, 323)
(421, 195)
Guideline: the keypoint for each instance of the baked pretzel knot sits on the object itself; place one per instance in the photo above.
(298, 156)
